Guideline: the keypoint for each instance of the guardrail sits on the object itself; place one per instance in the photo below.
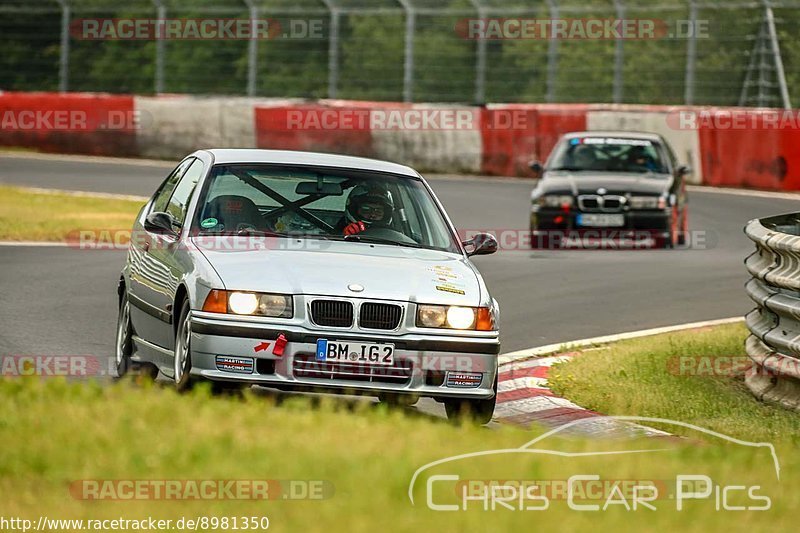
(774, 343)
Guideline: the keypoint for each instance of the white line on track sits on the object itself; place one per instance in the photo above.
(40, 244)
(88, 158)
(566, 346)
(84, 194)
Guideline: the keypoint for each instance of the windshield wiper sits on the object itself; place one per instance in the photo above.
(568, 169)
(376, 240)
(244, 232)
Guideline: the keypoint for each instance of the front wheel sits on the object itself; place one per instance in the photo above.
(672, 239)
(683, 237)
(184, 381)
(479, 411)
(124, 344)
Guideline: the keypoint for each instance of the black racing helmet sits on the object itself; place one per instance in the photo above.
(365, 195)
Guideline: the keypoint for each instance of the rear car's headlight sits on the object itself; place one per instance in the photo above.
(249, 303)
(455, 317)
(555, 200)
(647, 202)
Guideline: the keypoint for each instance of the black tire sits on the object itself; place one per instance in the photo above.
(673, 239)
(478, 411)
(124, 341)
(684, 228)
(182, 367)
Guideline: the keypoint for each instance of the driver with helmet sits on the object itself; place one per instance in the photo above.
(367, 206)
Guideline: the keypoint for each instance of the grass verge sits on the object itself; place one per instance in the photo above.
(56, 433)
(687, 376)
(27, 215)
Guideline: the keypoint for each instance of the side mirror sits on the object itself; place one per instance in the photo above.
(482, 244)
(160, 223)
(537, 168)
(684, 170)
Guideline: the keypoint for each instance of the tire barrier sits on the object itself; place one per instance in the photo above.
(774, 341)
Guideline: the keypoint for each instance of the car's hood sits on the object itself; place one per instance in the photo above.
(613, 183)
(328, 267)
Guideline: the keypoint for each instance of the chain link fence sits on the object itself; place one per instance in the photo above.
(704, 52)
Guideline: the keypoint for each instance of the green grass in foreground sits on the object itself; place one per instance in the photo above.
(36, 216)
(54, 433)
(642, 377)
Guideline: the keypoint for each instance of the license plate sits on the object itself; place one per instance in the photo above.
(355, 352)
(601, 221)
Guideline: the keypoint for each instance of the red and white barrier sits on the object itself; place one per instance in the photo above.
(97, 124)
(732, 147)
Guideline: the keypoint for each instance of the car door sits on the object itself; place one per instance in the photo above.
(157, 273)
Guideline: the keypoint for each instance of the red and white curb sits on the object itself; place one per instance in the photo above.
(524, 398)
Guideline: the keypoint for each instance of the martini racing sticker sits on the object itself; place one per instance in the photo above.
(237, 365)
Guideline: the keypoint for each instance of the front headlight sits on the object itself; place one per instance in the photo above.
(555, 200)
(455, 317)
(647, 202)
(249, 303)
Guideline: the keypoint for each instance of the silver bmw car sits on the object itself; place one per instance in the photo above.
(308, 271)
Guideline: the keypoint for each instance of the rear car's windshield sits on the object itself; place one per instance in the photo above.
(607, 154)
(303, 202)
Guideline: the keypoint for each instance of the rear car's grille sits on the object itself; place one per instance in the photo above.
(379, 316)
(607, 204)
(333, 313)
(306, 366)
(589, 203)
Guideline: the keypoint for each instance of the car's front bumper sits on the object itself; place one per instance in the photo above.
(425, 364)
(554, 228)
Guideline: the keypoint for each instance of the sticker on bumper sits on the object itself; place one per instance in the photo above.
(464, 380)
(237, 365)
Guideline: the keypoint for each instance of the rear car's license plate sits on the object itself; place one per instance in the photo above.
(355, 352)
(601, 221)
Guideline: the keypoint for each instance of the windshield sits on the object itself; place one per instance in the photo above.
(304, 202)
(607, 154)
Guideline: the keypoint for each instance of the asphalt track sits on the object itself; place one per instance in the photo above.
(58, 301)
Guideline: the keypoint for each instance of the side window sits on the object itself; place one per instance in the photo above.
(166, 189)
(179, 201)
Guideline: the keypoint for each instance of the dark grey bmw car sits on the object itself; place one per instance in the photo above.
(611, 186)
